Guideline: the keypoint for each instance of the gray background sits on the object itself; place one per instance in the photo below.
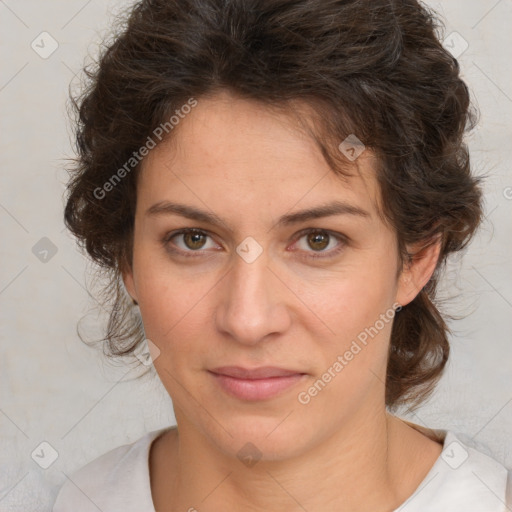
(54, 388)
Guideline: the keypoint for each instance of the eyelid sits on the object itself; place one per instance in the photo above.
(341, 238)
(169, 236)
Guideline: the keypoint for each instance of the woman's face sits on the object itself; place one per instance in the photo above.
(256, 290)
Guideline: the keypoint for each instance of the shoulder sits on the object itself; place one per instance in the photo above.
(118, 480)
(465, 477)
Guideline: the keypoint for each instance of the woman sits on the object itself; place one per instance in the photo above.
(277, 185)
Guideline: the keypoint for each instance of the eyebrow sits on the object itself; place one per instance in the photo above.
(190, 212)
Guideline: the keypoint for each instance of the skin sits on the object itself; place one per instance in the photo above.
(342, 450)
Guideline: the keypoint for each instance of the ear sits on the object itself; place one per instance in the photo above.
(418, 271)
(129, 284)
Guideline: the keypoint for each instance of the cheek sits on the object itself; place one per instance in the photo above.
(168, 296)
(352, 356)
(355, 314)
(176, 310)
(171, 315)
(176, 323)
(348, 302)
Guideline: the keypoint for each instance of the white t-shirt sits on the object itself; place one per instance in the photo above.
(463, 479)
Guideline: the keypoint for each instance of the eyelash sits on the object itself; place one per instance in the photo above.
(191, 254)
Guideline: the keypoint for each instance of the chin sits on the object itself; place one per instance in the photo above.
(261, 438)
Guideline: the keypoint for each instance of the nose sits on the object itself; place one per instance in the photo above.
(253, 302)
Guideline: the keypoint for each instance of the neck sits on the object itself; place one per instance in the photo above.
(361, 466)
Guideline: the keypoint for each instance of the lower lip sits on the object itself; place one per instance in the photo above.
(256, 389)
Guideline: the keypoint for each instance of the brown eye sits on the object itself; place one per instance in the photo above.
(194, 240)
(188, 242)
(318, 240)
(194, 243)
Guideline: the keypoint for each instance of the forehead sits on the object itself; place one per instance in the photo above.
(242, 152)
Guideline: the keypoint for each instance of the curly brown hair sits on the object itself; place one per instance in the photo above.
(374, 68)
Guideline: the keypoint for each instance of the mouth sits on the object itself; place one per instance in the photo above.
(257, 383)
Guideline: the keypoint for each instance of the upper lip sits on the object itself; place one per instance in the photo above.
(262, 372)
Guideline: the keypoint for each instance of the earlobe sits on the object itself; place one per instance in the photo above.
(418, 271)
(129, 284)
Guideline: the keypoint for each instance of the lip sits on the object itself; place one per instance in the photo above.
(262, 372)
(255, 384)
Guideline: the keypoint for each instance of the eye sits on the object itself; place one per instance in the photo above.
(194, 241)
(318, 240)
